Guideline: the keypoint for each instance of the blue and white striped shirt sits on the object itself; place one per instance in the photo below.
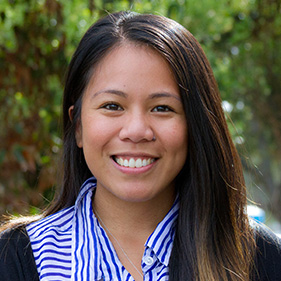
(72, 245)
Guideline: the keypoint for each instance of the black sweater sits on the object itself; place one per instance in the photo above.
(16, 257)
(17, 261)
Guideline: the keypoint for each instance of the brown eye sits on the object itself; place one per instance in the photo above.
(162, 108)
(112, 107)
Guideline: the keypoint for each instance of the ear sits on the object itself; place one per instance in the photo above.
(78, 129)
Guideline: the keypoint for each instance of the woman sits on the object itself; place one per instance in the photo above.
(142, 113)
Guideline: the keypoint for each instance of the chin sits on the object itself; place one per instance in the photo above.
(137, 196)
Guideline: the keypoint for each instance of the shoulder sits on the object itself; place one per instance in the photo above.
(12, 235)
(16, 257)
(60, 222)
(12, 241)
(268, 254)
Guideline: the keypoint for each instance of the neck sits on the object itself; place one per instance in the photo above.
(122, 217)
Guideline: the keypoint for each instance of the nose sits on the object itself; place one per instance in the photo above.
(137, 127)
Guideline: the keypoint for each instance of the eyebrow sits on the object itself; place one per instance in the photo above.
(124, 95)
(110, 91)
(165, 95)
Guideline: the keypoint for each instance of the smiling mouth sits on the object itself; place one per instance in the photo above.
(133, 162)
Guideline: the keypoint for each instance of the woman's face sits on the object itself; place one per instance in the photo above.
(131, 99)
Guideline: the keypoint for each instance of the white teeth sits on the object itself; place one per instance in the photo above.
(138, 163)
(126, 163)
(132, 163)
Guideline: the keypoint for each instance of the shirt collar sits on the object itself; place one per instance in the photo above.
(88, 185)
(161, 240)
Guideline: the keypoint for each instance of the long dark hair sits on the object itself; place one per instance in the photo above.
(213, 239)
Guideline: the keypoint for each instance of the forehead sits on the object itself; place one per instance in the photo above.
(131, 61)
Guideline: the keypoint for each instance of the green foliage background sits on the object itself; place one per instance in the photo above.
(242, 39)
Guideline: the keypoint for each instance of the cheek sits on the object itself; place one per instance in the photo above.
(176, 137)
(96, 132)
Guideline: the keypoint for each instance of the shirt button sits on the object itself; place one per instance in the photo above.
(148, 260)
